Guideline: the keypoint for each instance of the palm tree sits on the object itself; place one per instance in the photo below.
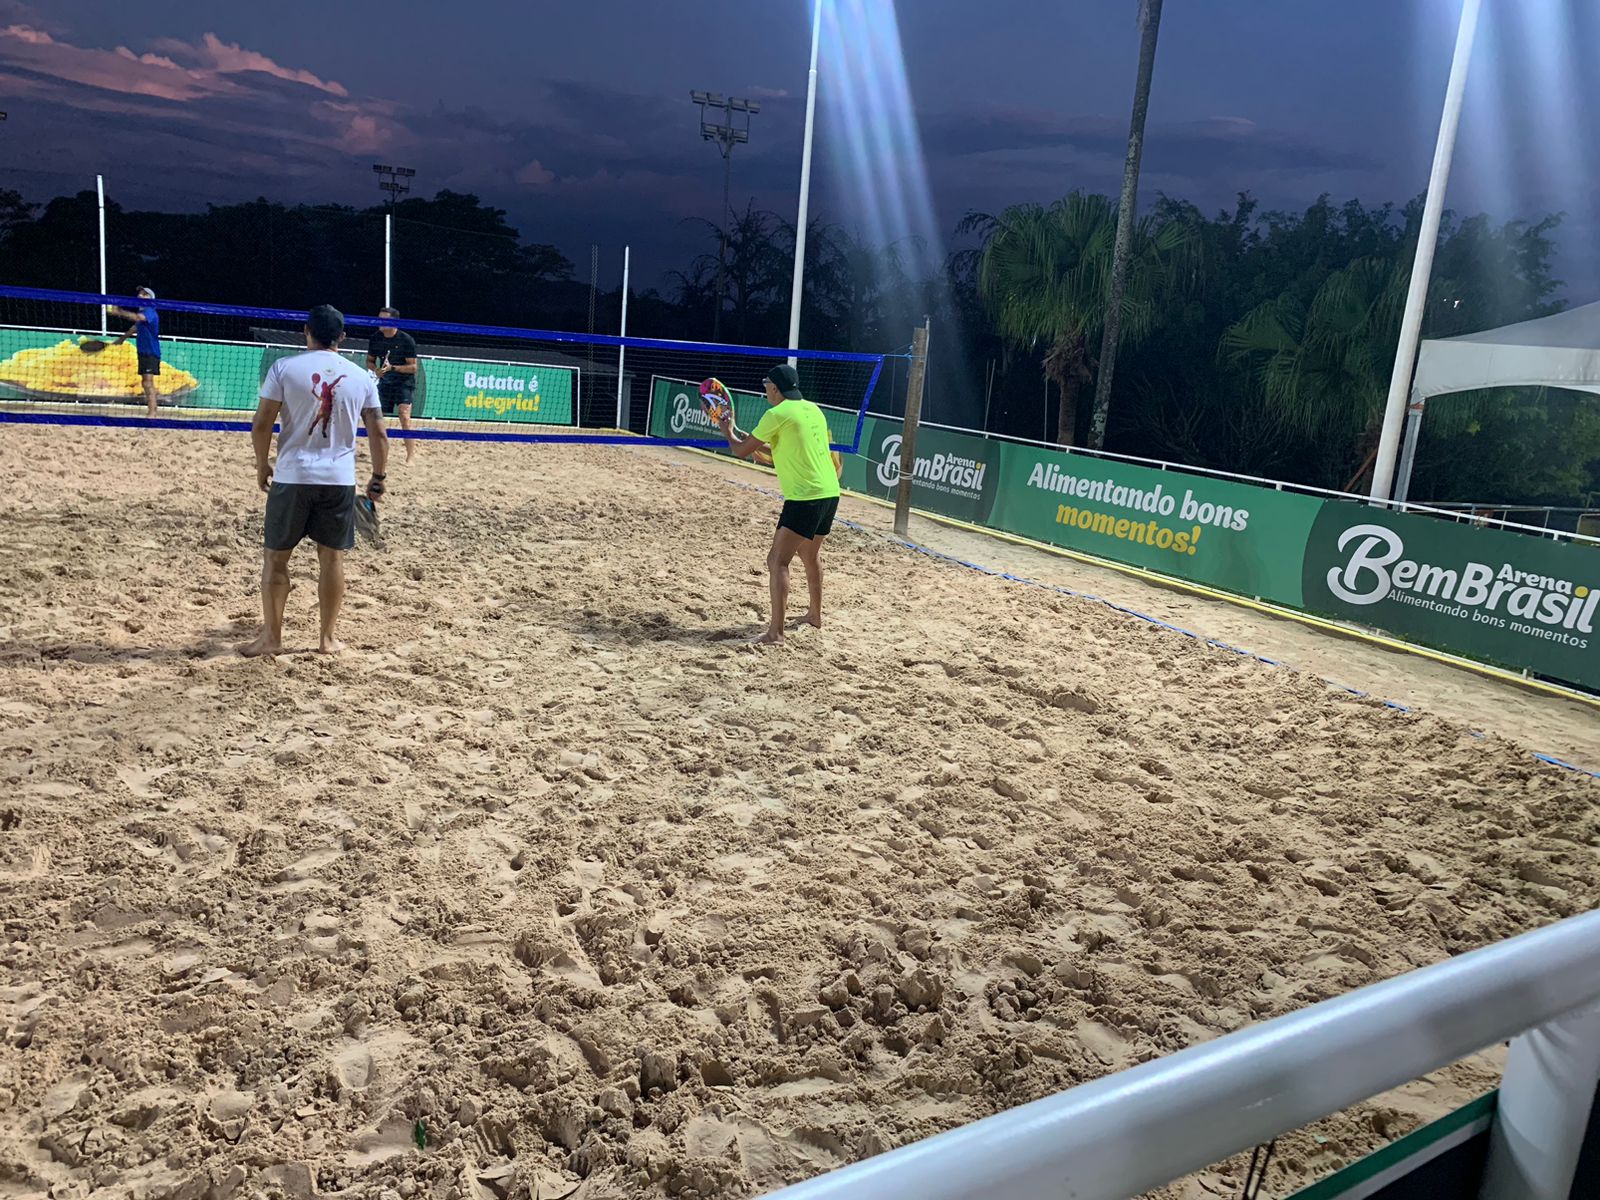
(1323, 364)
(1043, 274)
(748, 270)
(1149, 29)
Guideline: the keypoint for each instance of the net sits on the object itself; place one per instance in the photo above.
(64, 359)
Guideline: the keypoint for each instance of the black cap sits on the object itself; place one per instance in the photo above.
(787, 380)
(326, 324)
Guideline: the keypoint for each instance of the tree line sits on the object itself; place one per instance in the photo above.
(1253, 341)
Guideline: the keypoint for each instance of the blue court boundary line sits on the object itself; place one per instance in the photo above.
(1159, 624)
(422, 435)
(514, 333)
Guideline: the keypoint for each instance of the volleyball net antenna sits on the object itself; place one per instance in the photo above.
(65, 360)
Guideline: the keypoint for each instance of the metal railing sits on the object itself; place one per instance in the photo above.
(1141, 1128)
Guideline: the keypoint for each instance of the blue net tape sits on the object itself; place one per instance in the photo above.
(421, 435)
(862, 365)
(495, 331)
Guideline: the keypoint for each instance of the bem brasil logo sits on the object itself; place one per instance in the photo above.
(959, 474)
(1376, 569)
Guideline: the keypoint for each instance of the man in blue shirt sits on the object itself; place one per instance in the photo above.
(147, 341)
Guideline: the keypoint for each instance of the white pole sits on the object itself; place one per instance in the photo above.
(1405, 355)
(100, 190)
(622, 351)
(805, 186)
(388, 268)
(1543, 1110)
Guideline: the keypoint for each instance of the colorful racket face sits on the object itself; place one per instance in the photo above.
(714, 398)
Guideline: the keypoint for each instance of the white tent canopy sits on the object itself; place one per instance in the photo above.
(1560, 351)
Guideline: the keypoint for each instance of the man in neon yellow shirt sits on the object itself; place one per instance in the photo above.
(795, 432)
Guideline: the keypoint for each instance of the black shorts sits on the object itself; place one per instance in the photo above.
(149, 364)
(325, 513)
(809, 518)
(393, 400)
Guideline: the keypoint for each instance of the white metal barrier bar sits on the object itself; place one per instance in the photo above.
(1138, 1129)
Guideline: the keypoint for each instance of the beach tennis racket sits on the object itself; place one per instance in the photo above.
(367, 522)
(95, 345)
(714, 398)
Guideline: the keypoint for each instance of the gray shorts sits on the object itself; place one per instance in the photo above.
(326, 513)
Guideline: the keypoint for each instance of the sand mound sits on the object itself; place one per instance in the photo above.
(553, 886)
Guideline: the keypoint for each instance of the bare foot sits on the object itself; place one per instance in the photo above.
(806, 618)
(262, 645)
(331, 646)
(772, 637)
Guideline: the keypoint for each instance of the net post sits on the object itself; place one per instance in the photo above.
(908, 430)
(622, 351)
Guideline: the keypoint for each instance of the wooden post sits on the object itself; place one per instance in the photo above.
(908, 430)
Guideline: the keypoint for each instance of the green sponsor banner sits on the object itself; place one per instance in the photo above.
(1524, 602)
(451, 389)
(50, 368)
(1232, 536)
(956, 475)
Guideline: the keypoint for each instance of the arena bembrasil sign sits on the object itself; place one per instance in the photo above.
(954, 474)
(1489, 594)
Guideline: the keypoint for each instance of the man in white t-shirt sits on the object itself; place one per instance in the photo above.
(316, 398)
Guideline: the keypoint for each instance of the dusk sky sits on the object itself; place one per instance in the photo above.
(576, 117)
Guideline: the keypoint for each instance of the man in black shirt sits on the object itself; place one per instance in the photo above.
(392, 357)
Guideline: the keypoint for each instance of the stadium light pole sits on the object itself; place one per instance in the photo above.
(100, 194)
(1405, 356)
(797, 290)
(390, 183)
(727, 136)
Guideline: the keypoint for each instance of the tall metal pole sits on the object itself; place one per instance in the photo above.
(726, 136)
(798, 289)
(722, 242)
(1405, 355)
(622, 351)
(391, 185)
(100, 191)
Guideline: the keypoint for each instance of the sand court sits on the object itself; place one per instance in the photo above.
(553, 885)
